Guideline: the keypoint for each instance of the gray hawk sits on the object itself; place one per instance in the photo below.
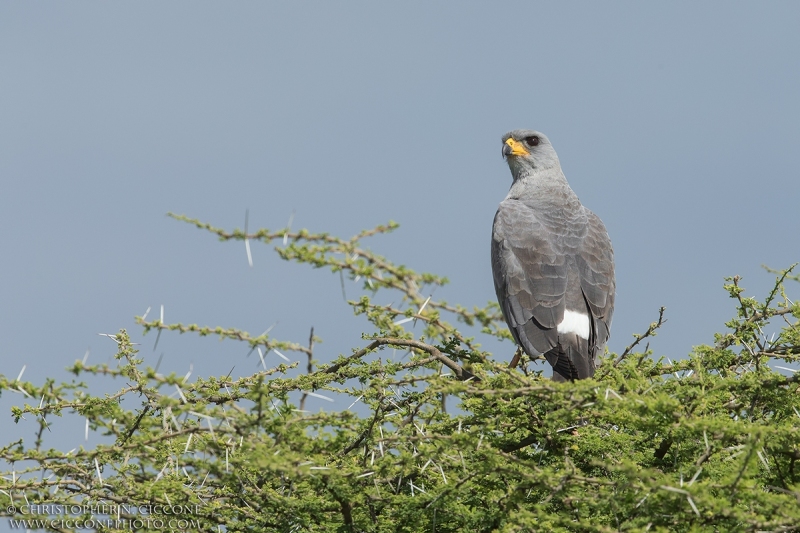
(552, 262)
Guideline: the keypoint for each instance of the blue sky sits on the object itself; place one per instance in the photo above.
(677, 123)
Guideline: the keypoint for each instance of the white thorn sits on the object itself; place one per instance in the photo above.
(288, 229)
(609, 391)
(695, 476)
(694, 507)
(97, 468)
(246, 240)
(112, 337)
(162, 471)
(266, 332)
(320, 396)
(180, 393)
(763, 459)
(281, 355)
(175, 420)
(442, 472)
(423, 305)
(352, 404)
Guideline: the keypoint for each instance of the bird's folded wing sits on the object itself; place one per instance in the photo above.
(595, 261)
(530, 271)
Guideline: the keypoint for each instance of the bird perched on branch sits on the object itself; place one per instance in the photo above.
(552, 262)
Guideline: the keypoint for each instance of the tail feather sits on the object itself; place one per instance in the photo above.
(571, 360)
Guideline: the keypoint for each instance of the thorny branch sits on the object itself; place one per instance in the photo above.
(518, 452)
(651, 331)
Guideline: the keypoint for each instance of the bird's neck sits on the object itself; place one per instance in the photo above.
(544, 188)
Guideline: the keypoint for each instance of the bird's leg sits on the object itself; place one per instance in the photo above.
(515, 360)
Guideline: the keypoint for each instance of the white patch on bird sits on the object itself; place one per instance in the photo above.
(574, 322)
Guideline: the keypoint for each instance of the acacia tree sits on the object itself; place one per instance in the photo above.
(707, 443)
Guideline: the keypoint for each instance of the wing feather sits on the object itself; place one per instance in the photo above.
(530, 274)
(596, 266)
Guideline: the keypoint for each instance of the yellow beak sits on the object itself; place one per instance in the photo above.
(516, 148)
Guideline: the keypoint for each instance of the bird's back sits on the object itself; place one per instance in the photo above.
(553, 268)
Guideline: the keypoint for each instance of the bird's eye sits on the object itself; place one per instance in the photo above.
(533, 140)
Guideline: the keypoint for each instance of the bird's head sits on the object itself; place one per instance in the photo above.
(528, 151)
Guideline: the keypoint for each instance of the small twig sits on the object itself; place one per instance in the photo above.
(742, 306)
(363, 435)
(639, 338)
(457, 369)
(356, 355)
(310, 367)
(135, 425)
(766, 311)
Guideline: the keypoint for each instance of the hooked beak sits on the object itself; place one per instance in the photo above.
(514, 147)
